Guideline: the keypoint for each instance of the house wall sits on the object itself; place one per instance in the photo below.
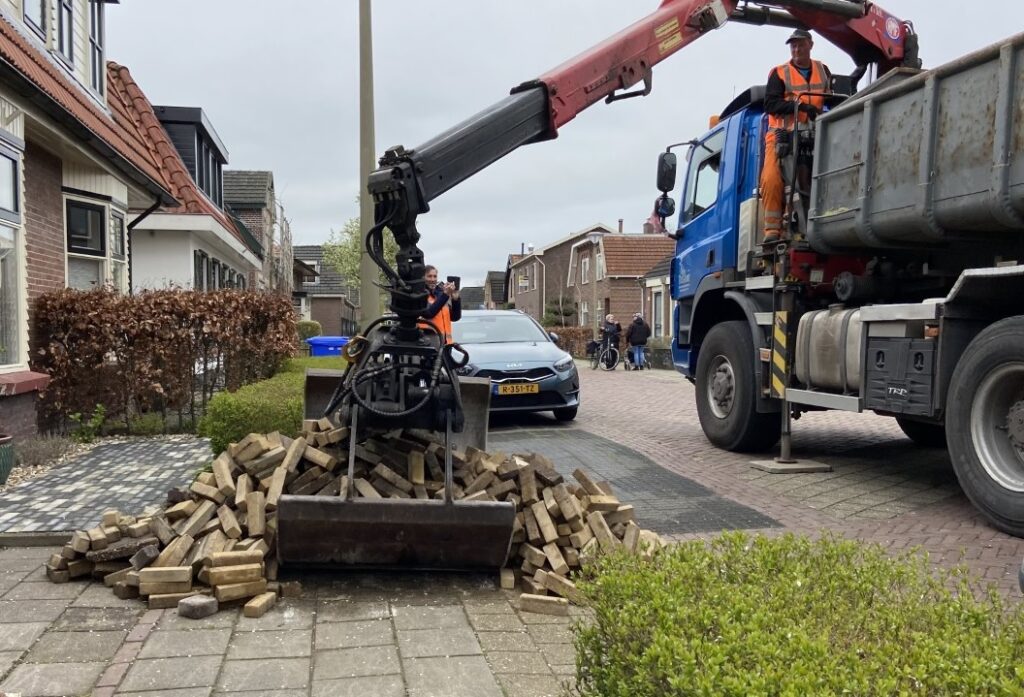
(18, 415)
(658, 285)
(44, 221)
(527, 300)
(161, 259)
(96, 181)
(327, 311)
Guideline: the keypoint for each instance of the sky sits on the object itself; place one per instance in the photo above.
(280, 83)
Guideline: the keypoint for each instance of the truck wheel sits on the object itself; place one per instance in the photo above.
(727, 391)
(985, 424)
(923, 433)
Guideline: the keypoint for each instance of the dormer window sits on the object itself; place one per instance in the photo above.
(66, 30)
(96, 41)
(35, 16)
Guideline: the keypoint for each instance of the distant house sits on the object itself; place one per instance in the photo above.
(472, 298)
(327, 298)
(494, 290)
(250, 197)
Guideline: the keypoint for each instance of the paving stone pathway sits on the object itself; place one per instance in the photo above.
(127, 476)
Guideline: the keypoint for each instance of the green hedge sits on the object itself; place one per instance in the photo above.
(262, 407)
(791, 616)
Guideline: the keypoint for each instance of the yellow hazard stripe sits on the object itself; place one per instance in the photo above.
(778, 388)
(779, 361)
(780, 354)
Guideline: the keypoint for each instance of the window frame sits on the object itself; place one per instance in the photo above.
(97, 45)
(66, 13)
(12, 215)
(199, 263)
(76, 250)
(584, 270)
(708, 150)
(37, 29)
(658, 310)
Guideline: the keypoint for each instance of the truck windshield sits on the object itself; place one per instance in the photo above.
(702, 177)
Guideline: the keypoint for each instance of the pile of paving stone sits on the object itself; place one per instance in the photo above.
(214, 544)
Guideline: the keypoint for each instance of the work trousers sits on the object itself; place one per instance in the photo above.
(772, 188)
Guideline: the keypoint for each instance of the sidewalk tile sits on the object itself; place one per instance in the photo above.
(531, 685)
(355, 663)
(428, 617)
(7, 659)
(75, 647)
(169, 643)
(20, 636)
(287, 614)
(44, 591)
(463, 676)
(497, 623)
(377, 686)
(292, 643)
(166, 674)
(264, 674)
(98, 595)
(181, 692)
(506, 641)
(171, 620)
(94, 619)
(31, 610)
(518, 662)
(345, 635)
(52, 679)
(344, 610)
(453, 641)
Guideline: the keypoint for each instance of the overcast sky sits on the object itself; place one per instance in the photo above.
(279, 81)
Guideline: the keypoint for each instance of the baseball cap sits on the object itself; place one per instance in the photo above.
(800, 34)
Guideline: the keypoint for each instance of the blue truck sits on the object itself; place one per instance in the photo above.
(898, 286)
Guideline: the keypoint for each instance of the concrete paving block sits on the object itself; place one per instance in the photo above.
(31, 610)
(453, 641)
(425, 617)
(52, 679)
(164, 674)
(346, 635)
(505, 641)
(291, 643)
(532, 685)
(376, 685)
(196, 607)
(20, 636)
(496, 623)
(345, 610)
(171, 620)
(462, 676)
(98, 595)
(79, 619)
(264, 674)
(171, 643)
(181, 692)
(44, 591)
(517, 662)
(355, 663)
(75, 647)
(7, 659)
(288, 614)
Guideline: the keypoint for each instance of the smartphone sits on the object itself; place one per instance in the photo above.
(454, 280)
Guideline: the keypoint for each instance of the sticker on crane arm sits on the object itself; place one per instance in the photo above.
(892, 28)
(780, 355)
(668, 35)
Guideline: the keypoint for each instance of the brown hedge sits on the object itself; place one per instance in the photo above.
(163, 350)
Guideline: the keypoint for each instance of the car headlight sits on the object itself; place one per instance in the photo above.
(466, 370)
(564, 364)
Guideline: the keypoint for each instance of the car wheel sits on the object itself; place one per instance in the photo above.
(565, 413)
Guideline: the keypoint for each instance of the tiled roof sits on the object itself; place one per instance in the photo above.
(247, 188)
(662, 268)
(330, 282)
(472, 297)
(634, 255)
(134, 114)
(56, 93)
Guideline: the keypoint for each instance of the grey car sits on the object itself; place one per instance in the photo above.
(528, 371)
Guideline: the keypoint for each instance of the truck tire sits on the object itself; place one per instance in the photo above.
(985, 424)
(923, 433)
(727, 392)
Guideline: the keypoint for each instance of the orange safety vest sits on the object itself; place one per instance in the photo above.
(442, 321)
(796, 84)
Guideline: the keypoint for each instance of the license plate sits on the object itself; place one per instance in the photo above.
(520, 388)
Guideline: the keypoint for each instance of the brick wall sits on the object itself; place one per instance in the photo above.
(327, 311)
(18, 415)
(44, 221)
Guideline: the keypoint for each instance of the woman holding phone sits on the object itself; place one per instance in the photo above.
(443, 304)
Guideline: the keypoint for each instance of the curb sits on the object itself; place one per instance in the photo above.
(34, 539)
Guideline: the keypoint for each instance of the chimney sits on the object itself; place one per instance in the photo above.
(522, 248)
(620, 226)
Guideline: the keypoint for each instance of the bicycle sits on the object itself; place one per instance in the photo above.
(609, 358)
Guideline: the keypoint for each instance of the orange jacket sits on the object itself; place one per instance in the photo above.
(795, 84)
(441, 312)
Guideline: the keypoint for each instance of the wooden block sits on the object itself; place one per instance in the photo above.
(293, 455)
(207, 492)
(562, 586)
(165, 587)
(555, 559)
(434, 465)
(416, 465)
(132, 579)
(109, 517)
(587, 483)
(325, 424)
(535, 556)
(507, 579)
(80, 542)
(366, 489)
(579, 539)
(223, 470)
(202, 515)
(500, 489)
(336, 435)
(97, 538)
(144, 557)
(550, 504)
(229, 523)
(604, 504)
(419, 491)
(58, 575)
(618, 530)
(57, 562)
(166, 574)
(315, 485)
(649, 543)
(631, 538)
(392, 478)
(112, 532)
(480, 482)
(319, 458)
(515, 500)
(219, 559)
(116, 577)
(235, 448)
(567, 503)
(563, 530)
(478, 496)
(224, 575)
(258, 606)
(533, 533)
(124, 591)
(175, 552)
(601, 531)
(251, 451)
(543, 604)
(276, 487)
(508, 470)
(544, 522)
(531, 586)
(527, 568)
(79, 567)
(310, 426)
(623, 514)
(163, 601)
(243, 485)
(256, 513)
(267, 461)
(235, 591)
(291, 589)
(528, 485)
(140, 529)
(207, 478)
(572, 557)
(164, 532)
(272, 568)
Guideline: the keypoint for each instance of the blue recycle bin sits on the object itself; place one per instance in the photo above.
(326, 345)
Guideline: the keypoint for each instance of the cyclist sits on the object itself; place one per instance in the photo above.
(610, 333)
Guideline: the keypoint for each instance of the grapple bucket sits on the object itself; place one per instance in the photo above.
(318, 390)
(393, 533)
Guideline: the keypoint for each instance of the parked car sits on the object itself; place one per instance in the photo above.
(528, 371)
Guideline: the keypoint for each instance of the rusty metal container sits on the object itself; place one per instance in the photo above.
(925, 159)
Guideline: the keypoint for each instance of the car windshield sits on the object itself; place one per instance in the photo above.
(496, 329)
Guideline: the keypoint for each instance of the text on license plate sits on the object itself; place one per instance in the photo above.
(520, 388)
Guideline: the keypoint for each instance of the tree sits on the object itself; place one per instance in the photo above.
(343, 248)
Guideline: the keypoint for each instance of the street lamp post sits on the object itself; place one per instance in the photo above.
(369, 296)
(594, 237)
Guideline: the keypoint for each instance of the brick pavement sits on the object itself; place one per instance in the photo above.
(883, 488)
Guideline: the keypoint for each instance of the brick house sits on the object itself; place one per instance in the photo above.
(586, 274)
(327, 298)
(250, 197)
(73, 172)
(495, 296)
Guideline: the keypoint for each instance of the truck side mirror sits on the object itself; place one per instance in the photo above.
(666, 172)
(665, 206)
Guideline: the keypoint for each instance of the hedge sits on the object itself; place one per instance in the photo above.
(791, 616)
(262, 407)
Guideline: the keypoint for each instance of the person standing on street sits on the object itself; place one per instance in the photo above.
(443, 305)
(636, 336)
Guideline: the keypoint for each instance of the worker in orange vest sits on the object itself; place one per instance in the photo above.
(785, 84)
(443, 305)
